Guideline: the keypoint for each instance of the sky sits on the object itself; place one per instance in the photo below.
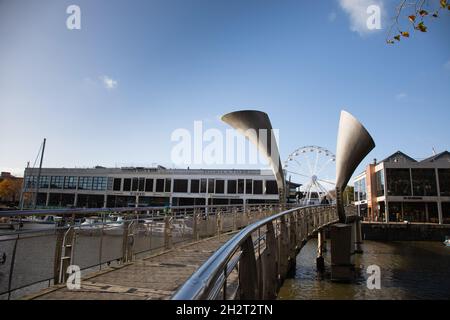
(113, 92)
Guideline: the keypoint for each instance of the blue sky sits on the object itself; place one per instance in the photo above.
(113, 92)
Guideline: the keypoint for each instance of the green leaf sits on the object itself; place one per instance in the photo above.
(421, 27)
(443, 3)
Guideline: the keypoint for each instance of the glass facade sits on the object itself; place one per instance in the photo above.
(195, 186)
(134, 184)
(231, 187)
(271, 187)
(159, 185)
(70, 182)
(380, 183)
(85, 183)
(56, 182)
(210, 185)
(141, 184)
(360, 190)
(257, 187)
(180, 185)
(444, 182)
(99, 183)
(398, 182)
(220, 186)
(203, 186)
(148, 185)
(117, 184)
(249, 186)
(127, 184)
(168, 186)
(241, 185)
(44, 182)
(424, 182)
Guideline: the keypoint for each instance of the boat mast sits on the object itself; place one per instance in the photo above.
(38, 181)
(24, 188)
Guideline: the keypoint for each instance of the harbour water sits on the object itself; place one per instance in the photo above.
(409, 270)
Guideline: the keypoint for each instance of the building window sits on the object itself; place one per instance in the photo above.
(134, 184)
(232, 186)
(44, 182)
(141, 184)
(361, 189)
(241, 185)
(149, 185)
(99, 183)
(398, 182)
(203, 186)
(220, 186)
(424, 182)
(444, 182)
(271, 187)
(195, 186)
(70, 183)
(180, 185)
(168, 185)
(380, 183)
(210, 185)
(249, 186)
(159, 185)
(257, 187)
(85, 183)
(117, 184)
(56, 182)
(127, 184)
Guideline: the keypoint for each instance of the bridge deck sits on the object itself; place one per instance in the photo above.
(155, 277)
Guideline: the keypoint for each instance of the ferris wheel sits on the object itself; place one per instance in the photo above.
(312, 167)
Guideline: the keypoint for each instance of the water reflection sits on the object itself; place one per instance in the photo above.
(409, 270)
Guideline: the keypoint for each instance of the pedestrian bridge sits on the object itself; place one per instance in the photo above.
(212, 252)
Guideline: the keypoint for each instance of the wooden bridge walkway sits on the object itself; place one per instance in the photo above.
(154, 277)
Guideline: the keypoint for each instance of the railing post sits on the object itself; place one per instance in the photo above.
(248, 278)
(284, 248)
(168, 232)
(219, 222)
(269, 265)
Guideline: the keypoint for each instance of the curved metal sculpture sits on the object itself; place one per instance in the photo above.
(353, 144)
(249, 123)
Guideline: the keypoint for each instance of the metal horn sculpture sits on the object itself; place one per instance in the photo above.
(353, 144)
(251, 124)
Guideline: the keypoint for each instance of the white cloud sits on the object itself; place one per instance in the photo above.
(332, 16)
(357, 11)
(109, 83)
(401, 96)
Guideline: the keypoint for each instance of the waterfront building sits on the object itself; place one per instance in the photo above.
(400, 188)
(129, 187)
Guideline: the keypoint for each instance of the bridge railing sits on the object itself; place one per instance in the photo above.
(35, 253)
(254, 263)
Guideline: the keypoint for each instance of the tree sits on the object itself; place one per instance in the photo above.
(10, 189)
(417, 13)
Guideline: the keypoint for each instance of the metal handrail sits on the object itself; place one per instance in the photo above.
(198, 286)
(200, 228)
(84, 211)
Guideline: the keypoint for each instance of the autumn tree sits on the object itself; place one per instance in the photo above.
(10, 189)
(415, 15)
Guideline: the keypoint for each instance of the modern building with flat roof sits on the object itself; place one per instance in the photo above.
(400, 188)
(129, 187)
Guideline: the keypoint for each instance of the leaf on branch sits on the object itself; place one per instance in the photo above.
(412, 18)
(423, 13)
(397, 37)
(421, 27)
(405, 34)
(435, 14)
(390, 41)
(443, 3)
